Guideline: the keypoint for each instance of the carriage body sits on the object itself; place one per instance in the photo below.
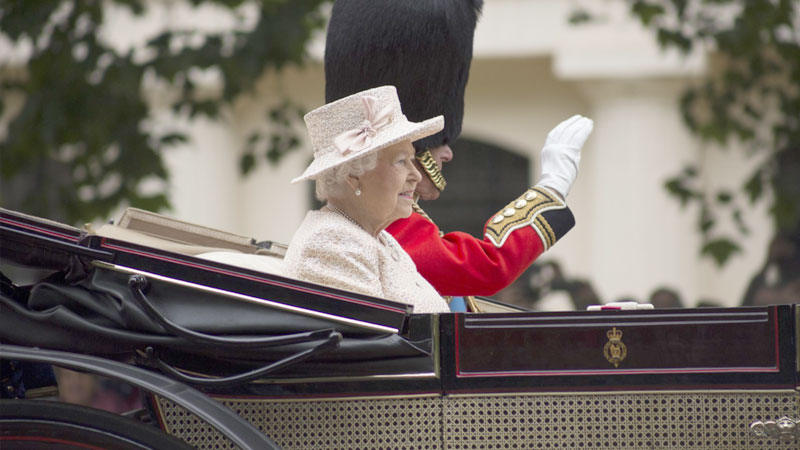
(315, 367)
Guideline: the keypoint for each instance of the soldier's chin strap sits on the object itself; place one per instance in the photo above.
(427, 162)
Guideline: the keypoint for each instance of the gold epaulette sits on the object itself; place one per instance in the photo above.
(526, 210)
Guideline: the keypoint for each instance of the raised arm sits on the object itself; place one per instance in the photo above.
(460, 264)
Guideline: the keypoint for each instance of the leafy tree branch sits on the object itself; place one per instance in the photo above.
(751, 96)
(79, 144)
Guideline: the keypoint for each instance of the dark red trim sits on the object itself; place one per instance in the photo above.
(326, 396)
(777, 342)
(157, 409)
(49, 440)
(631, 388)
(512, 390)
(545, 373)
(40, 230)
(248, 277)
(456, 342)
(539, 373)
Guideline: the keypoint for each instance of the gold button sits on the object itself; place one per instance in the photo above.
(530, 196)
(498, 218)
(509, 212)
(520, 204)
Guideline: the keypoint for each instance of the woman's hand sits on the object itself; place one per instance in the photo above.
(561, 154)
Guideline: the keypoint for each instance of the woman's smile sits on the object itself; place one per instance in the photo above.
(408, 195)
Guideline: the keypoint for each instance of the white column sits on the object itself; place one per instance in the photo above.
(204, 176)
(640, 237)
(271, 207)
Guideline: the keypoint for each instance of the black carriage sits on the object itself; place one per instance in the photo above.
(229, 357)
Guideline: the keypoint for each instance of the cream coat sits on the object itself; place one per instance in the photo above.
(328, 249)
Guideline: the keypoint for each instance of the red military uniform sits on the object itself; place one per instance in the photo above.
(458, 264)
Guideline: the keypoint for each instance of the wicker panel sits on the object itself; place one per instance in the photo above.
(402, 423)
(697, 421)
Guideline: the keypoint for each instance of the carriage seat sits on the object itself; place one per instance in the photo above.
(157, 231)
(261, 263)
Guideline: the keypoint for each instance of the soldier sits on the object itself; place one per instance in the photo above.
(424, 48)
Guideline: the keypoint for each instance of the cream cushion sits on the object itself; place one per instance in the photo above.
(259, 263)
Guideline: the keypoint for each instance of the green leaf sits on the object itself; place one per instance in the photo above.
(86, 114)
(647, 11)
(274, 154)
(724, 197)
(707, 220)
(579, 16)
(247, 163)
(739, 221)
(156, 202)
(754, 186)
(751, 87)
(673, 38)
(720, 250)
(677, 188)
(174, 138)
(25, 18)
(786, 210)
(293, 142)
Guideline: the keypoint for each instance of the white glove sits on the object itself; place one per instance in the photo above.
(561, 154)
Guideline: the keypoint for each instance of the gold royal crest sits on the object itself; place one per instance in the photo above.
(614, 350)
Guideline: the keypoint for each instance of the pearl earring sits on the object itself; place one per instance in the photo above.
(358, 192)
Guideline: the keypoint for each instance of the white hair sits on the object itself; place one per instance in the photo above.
(332, 180)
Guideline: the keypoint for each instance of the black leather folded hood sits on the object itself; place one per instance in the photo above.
(97, 314)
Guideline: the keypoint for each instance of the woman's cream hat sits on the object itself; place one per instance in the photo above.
(358, 125)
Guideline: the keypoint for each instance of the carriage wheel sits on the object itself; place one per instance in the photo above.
(29, 424)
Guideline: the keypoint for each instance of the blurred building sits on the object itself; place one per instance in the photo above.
(531, 70)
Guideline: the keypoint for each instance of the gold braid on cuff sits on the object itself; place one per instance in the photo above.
(526, 210)
(432, 169)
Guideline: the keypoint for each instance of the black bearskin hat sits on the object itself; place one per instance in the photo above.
(423, 47)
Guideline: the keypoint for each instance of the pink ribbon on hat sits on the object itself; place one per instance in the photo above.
(360, 138)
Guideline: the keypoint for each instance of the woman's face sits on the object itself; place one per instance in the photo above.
(388, 189)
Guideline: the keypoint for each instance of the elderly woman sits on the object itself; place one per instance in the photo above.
(364, 170)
